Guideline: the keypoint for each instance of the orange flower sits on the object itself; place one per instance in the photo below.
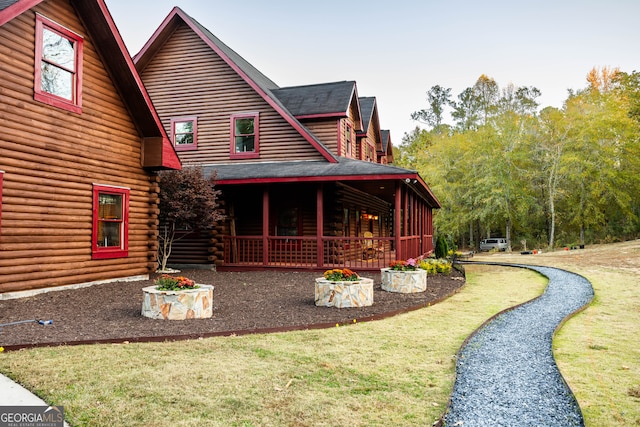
(341, 275)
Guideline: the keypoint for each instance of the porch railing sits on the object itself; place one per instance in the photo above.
(356, 253)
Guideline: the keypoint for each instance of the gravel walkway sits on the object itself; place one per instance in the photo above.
(506, 374)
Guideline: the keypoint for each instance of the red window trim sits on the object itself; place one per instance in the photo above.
(185, 147)
(256, 128)
(371, 152)
(349, 145)
(75, 105)
(98, 252)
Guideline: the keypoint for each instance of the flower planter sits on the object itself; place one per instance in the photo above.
(405, 282)
(357, 293)
(178, 305)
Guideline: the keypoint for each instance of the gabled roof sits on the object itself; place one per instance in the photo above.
(158, 152)
(387, 148)
(386, 139)
(258, 81)
(367, 107)
(318, 100)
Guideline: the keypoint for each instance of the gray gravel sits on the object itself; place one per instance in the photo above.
(506, 374)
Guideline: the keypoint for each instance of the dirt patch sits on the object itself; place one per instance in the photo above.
(244, 302)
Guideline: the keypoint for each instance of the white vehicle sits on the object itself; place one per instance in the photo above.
(498, 243)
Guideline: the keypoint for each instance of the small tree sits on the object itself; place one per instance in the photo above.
(187, 200)
(441, 249)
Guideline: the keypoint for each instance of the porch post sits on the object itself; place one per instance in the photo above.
(405, 216)
(423, 227)
(265, 226)
(320, 224)
(397, 218)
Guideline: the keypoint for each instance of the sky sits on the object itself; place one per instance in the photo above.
(396, 50)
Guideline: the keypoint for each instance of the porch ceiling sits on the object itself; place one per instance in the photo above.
(382, 189)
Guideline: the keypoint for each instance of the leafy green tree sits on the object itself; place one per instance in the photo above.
(487, 93)
(548, 151)
(603, 163)
(466, 111)
(438, 98)
(559, 175)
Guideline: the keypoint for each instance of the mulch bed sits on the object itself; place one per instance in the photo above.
(244, 302)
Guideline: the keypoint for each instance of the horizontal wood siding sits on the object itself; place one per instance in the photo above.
(187, 78)
(327, 132)
(51, 160)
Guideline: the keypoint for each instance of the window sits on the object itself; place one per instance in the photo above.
(58, 66)
(244, 136)
(110, 237)
(370, 153)
(349, 133)
(288, 220)
(184, 133)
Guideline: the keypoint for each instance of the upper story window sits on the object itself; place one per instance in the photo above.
(58, 66)
(245, 136)
(110, 237)
(348, 139)
(184, 133)
(370, 154)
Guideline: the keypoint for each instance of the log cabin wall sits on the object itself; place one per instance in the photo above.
(343, 138)
(208, 88)
(328, 132)
(366, 146)
(52, 158)
(371, 140)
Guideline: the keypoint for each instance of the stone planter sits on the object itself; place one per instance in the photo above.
(405, 282)
(344, 294)
(178, 305)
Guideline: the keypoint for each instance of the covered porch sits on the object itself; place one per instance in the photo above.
(357, 224)
(314, 216)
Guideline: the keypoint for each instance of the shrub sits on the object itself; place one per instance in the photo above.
(441, 249)
(436, 266)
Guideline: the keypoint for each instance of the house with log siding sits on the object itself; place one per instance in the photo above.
(301, 185)
(385, 151)
(80, 148)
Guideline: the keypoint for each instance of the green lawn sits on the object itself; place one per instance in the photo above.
(397, 371)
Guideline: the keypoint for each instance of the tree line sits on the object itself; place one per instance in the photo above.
(547, 177)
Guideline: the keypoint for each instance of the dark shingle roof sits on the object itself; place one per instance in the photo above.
(385, 139)
(356, 172)
(299, 170)
(366, 110)
(318, 99)
(6, 3)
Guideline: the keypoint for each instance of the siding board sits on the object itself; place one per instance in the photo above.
(52, 158)
(187, 78)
